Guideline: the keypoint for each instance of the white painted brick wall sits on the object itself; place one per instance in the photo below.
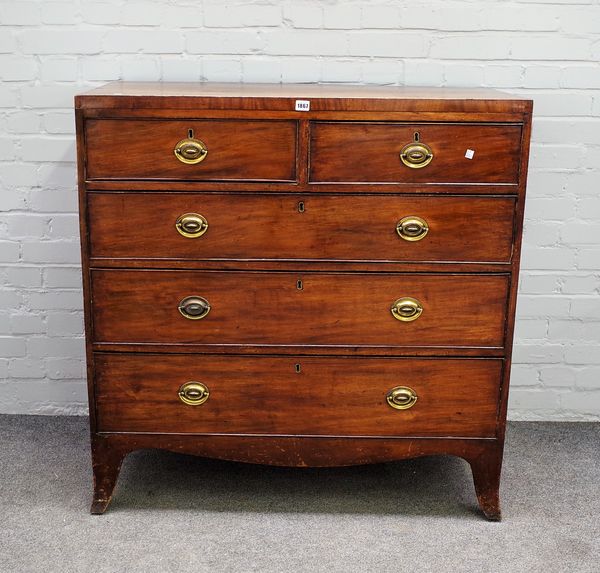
(544, 49)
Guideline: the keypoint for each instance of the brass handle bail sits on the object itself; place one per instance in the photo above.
(191, 225)
(401, 397)
(193, 393)
(191, 151)
(406, 309)
(412, 228)
(194, 307)
(416, 155)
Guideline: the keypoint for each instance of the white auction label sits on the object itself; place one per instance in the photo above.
(469, 153)
(302, 105)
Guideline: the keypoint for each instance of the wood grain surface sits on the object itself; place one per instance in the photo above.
(330, 308)
(267, 395)
(370, 152)
(237, 150)
(322, 227)
(193, 96)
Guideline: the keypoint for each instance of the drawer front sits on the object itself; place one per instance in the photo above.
(299, 309)
(237, 150)
(370, 153)
(327, 396)
(244, 226)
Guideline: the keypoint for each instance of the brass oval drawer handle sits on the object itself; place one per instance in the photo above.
(416, 155)
(194, 307)
(193, 393)
(401, 397)
(191, 151)
(191, 225)
(406, 309)
(412, 228)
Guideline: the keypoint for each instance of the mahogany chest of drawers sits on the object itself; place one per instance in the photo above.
(300, 275)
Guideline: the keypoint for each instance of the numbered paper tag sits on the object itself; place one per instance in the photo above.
(302, 105)
(469, 153)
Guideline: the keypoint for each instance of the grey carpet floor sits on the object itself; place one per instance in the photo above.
(176, 513)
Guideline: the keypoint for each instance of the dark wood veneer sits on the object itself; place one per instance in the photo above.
(330, 227)
(297, 395)
(153, 96)
(350, 309)
(237, 150)
(369, 153)
(341, 160)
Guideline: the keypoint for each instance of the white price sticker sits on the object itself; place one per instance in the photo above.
(302, 105)
(469, 153)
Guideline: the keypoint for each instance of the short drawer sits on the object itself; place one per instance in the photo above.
(319, 227)
(299, 396)
(282, 308)
(435, 153)
(236, 150)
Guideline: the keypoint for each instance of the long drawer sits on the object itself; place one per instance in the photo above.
(248, 226)
(357, 152)
(310, 396)
(283, 308)
(238, 150)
